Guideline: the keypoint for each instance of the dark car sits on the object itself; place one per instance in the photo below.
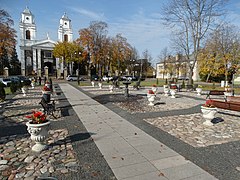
(24, 80)
(94, 78)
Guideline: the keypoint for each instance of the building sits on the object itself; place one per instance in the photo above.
(175, 67)
(36, 55)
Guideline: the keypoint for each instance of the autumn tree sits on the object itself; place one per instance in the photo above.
(191, 20)
(7, 38)
(221, 52)
(66, 52)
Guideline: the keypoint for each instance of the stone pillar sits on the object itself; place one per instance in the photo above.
(6, 73)
(22, 60)
(65, 73)
(59, 73)
(39, 58)
(35, 60)
(23, 72)
(46, 71)
(39, 72)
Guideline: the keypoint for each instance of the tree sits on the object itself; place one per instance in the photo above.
(7, 39)
(66, 52)
(7, 33)
(192, 19)
(15, 65)
(221, 52)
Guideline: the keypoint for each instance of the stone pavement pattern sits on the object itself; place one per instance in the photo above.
(16, 159)
(130, 152)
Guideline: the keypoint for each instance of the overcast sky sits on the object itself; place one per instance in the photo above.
(137, 20)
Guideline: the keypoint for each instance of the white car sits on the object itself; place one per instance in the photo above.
(107, 78)
(6, 81)
(72, 78)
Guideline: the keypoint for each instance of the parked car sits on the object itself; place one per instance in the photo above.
(15, 80)
(129, 78)
(72, 78)
(6, 81)
(24, 80)
(107, 78)
(94, 78)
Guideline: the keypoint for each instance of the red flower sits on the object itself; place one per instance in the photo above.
(150, 92)
(37, 117)
(45, 88)
(209, 103)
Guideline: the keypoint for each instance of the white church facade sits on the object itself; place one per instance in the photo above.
(37, 54)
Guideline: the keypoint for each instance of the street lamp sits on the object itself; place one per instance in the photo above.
(78, 54)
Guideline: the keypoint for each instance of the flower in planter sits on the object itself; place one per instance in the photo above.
(151, 92)
(154, 85)
(45, 88)
(208, 104)
(37, 117)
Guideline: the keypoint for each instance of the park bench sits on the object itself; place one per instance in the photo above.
(231, 103)
(215, 93)
(137, 85)
(49, 108)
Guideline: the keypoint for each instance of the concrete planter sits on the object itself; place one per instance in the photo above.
(39, 133)
(208, 114)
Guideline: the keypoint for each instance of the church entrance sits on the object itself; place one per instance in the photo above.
(50, 67)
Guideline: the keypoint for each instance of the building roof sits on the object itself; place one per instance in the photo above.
(27, 11)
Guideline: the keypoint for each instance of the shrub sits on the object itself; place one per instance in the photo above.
(13, 87)
(2, 92)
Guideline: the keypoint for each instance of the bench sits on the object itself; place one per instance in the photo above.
(214, 92)
(48, 108)
(231, 103)
(137, 85)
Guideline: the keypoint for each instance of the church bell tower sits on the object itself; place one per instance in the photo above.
(65, 29)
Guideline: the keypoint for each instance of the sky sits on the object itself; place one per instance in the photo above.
(137, 20)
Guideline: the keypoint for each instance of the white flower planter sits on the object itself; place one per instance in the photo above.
(151, 98)
(228, 94)
(111, 88)
(154, 89)
(208, 115)
(39, 133)
(93, 84)
(33, 85)
(100, 85)
(24, 91)
(199, 91)
(173, 93)
(166, 91)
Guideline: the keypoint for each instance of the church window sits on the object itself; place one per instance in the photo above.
(66, 37)
(27, 18)
(28, 34)
(47, 54)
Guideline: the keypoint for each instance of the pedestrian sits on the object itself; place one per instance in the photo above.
(45, 80)
(39, 80)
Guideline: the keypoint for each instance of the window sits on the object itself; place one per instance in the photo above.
(66, 37)
(28, 34)
(47, 54)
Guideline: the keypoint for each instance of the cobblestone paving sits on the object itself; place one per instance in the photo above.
(17, 161)
(191, 130)
(188, 128)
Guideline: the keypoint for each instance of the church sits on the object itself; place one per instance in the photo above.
(35, 55)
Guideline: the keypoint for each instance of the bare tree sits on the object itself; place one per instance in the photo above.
(163, 58)
(192, 19)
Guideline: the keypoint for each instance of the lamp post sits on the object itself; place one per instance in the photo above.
(78, 55)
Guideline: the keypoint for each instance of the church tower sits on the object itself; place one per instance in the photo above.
(27, 29)
(65, 29)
